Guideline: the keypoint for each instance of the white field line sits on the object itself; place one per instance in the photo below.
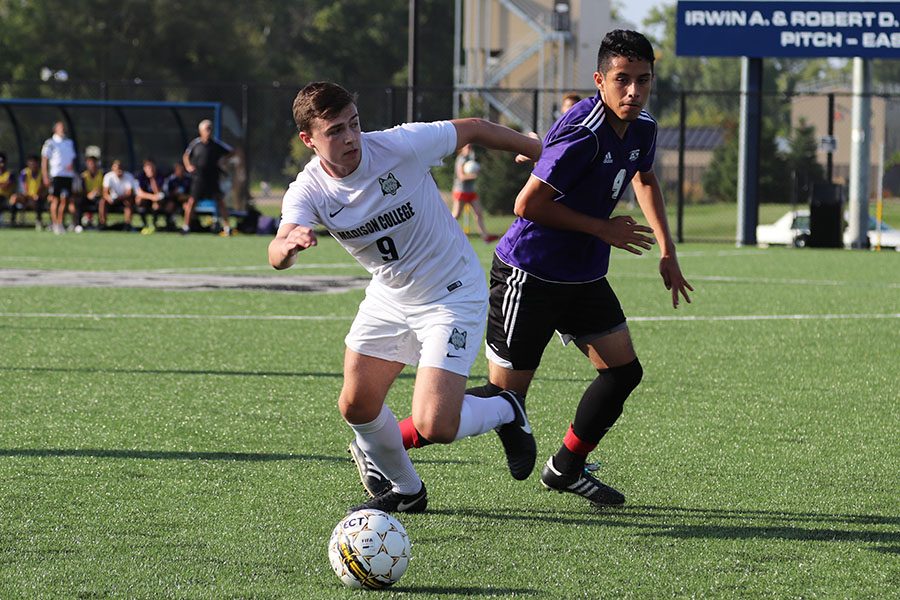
(297, 268)
(766, 280)
(97, 316)
(218, 269)
(682, 253)
(711, 318)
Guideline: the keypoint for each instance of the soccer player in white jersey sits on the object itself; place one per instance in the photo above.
(427, 302)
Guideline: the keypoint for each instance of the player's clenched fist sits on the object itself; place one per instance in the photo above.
(301, 238)
(290, 240)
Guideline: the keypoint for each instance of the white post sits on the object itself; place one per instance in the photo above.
(457, 57)
(858, 219)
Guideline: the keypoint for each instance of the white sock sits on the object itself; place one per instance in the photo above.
(381, 441)
(479, 415)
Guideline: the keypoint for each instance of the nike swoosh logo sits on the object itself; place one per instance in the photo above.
(332, 214)
(453, 355)
(526, 427)
(404, 505)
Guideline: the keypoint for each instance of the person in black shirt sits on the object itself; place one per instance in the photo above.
(201, 159)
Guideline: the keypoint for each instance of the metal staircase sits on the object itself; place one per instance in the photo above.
(541, 20)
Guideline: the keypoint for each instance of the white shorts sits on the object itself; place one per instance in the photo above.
(445, 334)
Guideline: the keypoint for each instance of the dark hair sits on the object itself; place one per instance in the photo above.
(33, 157)
(3, 156)
(572, 96)
(628, 44)
(320, 100)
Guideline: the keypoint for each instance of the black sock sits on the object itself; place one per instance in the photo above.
(599, 408)
(487, 390)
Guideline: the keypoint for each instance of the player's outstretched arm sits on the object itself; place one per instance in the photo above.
(496, 137)
(290, 240)
(649, 196)
(536, 202)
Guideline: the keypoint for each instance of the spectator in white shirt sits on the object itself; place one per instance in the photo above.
(58, 169)
(118, 190)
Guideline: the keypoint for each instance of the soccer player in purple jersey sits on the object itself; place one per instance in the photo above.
(549, 270)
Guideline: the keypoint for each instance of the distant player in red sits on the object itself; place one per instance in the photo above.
(465, 173)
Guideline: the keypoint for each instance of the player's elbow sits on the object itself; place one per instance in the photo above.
(523, 207)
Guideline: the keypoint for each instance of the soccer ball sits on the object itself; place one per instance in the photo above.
(369, 548)
(471, 167)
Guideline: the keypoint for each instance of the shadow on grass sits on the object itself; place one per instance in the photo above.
(163, 455)
(493, 592)
(697, 523)
(179, 455)
(222, 372)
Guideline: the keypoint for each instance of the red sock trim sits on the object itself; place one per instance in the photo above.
(576, 445)
(411, 436)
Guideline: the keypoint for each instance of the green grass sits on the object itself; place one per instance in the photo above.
(205, 458)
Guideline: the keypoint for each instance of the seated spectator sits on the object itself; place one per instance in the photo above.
(177, 187)
(150, 197)
(7, 185)
(91, 192)
(118, 190)
(32, 194)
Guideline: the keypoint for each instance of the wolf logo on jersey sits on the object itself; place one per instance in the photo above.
(389, 185)
(458, 338)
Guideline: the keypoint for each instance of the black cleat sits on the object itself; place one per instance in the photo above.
(372, 479)
(518, 440)
(392, 501)
(594, 491)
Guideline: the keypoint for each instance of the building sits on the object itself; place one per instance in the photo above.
(519, 56)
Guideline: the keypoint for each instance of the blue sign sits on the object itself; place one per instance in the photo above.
(789, 29)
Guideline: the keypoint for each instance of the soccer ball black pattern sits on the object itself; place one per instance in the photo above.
(369, 549)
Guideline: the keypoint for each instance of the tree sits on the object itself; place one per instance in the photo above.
(801, 160)
(720, 179)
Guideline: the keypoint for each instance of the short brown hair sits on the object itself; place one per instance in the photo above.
(320, 100)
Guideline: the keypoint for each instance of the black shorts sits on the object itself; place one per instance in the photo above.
(202, 189)
(525, 311)
(61, 187)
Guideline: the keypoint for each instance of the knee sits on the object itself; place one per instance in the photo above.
(436, 431)
(357, 410)
(629, 376)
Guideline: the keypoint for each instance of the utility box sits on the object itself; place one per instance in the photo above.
(826, 216)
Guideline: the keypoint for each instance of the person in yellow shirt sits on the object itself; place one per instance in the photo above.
(91, 191)
(7, 185)
(32, 194)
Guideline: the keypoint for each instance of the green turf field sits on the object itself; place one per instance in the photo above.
(187, 444)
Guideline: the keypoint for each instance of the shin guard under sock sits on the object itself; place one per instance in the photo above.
(599, 408)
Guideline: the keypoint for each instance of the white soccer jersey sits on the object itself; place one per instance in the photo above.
(60, 155)
(389, 215)
(120, 186)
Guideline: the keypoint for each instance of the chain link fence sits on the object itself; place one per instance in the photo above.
(695, 161)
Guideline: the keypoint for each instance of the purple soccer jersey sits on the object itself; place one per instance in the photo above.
(590, 166)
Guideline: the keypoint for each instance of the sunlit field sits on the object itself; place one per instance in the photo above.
(182, 440)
